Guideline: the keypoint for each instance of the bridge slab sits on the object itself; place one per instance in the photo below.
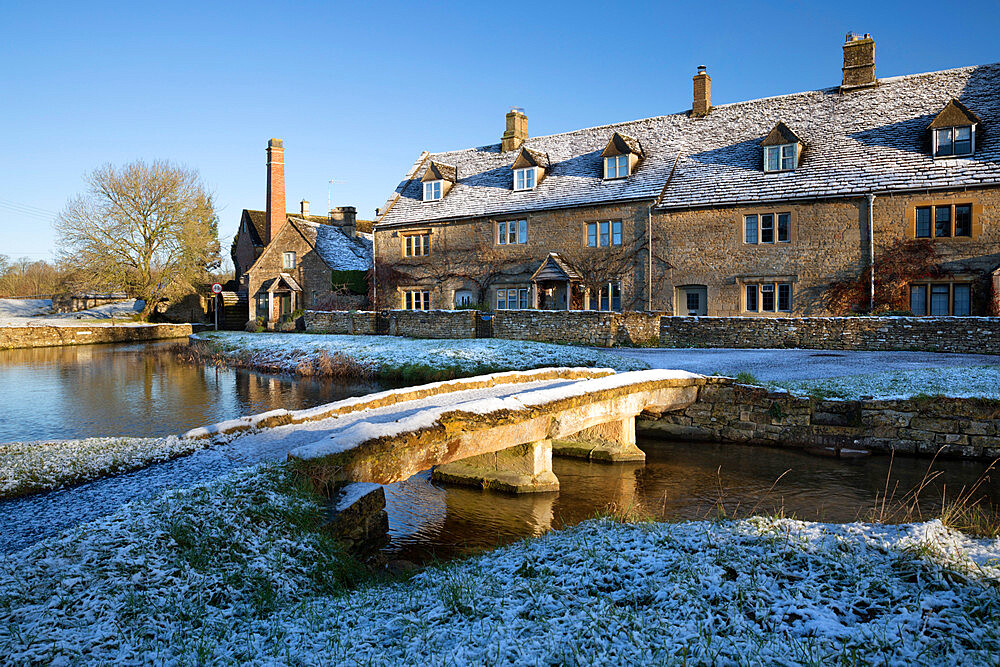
(611, 442)
(524, 468)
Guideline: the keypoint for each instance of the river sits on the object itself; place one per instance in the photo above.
(140, 390)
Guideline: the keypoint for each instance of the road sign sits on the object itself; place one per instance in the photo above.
(216, 288)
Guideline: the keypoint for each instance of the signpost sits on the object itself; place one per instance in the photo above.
(216, 290)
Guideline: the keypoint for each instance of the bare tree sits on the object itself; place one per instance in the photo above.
(599, 266)
(147, 229)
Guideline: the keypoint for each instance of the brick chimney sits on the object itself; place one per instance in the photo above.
(275, 189)
(859, 62)
(516, 132)
(702, 93)
(345, 217)
(304, 208)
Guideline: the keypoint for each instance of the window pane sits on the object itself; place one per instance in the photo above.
(750, 229)
(751, 303)
(609, 167)
(767, 228)
(616, 297)
(918, 299)
(767, 297)
(693, 302)
(592, 234)
(784, 227)
(522, 231)
(512, 232)
(963, 300)
(944, 146)
(605, 299)
(784, 298)
(616, 232)
(942, 221)
(501, 299)
(788, 156)
(605, 237)
(963, 140)
(939, 299)
(501, 233)
(963, 220)
(923, 222)
(772, 158)
(522, 297)
(529, 178)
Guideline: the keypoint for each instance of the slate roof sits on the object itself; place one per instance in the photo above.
(338, 251)
(874, 139)
(554, 267)
(258, 221)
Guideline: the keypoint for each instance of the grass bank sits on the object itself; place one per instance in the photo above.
(389, 358)
(238, 572)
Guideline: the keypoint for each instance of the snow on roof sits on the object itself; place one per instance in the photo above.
(338, 250)
(867, 140)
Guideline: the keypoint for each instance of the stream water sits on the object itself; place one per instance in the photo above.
(139, 390)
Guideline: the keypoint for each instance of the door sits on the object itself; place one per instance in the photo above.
(693, 300)
(484, 325)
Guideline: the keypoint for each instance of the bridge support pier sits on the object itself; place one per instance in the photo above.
(522, 469)
(612, 442)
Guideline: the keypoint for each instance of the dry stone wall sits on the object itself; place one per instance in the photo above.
(955, 427)
(934, 334)
(46, 336)
(580, 327)
(356, 323)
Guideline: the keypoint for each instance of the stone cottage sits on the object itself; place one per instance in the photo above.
(286, 261)
(752, 208)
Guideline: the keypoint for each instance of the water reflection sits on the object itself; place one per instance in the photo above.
(678, 481)
(103, 390)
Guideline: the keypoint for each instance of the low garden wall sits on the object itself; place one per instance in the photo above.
(931, 334)
(353, 322)
(580, 327)
(51, 336)
(957, 427)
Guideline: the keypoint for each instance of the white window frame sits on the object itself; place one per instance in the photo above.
(416, 245)
(952, 129)
(512, 232)
(785, 162)
(433, 190)
(288, 260)
(416, 299)
(616, 167)
(520, 295)
(525, 179)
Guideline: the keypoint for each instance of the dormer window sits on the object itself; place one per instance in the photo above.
(954, 141)
(953, 131)
(524, 179)
(621, 156)
(432, 190)
(781, 149)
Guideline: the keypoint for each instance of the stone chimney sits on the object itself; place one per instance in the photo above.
(304, 208)
(516, 132)
(702, 93)
(859, 62)
(345, 217)
(275, 189)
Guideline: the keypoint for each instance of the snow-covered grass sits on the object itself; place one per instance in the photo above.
(236, 572)
(29, 467)
(954, 382)
(407, 358)
(38, 312)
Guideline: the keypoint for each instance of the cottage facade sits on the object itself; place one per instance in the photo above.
(754, 208)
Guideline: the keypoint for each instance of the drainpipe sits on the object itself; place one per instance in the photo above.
(871, 252)
(374, 274)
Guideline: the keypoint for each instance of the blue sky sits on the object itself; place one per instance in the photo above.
(357, 90)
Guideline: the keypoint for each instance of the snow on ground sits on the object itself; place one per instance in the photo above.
(389, 352)
(842, 374)
(29, 467)
(38, 312)
(234, 572)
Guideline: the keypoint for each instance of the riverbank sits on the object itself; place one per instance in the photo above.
(392, 358)
(238, 571)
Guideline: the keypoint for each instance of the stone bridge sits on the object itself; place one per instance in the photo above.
(497, 432)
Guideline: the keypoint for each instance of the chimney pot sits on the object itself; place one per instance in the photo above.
(516, 132)
(304, 208)
(859, 62)
(702, 103)
(275, 215)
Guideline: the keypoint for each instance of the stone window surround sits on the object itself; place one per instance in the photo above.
(528, 294)
(977, 212)
(611, 233)
(404, 235)
(425, 297)
(793, 225)
(506, 223)
(951, 281)
(743, 281)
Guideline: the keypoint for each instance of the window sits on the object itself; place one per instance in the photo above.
(416, 299)
(949, 141)
(780, 158)
(616, 166)
(417, 245)
(761, 228)
(941, 299)
(463, 297)
(512, 232)
(609, 298)
(949, 220)
(432, 190)
(262, 305)
(513, 298)
(524, 179)
(288, 260)
(768, 297)
(604, 233)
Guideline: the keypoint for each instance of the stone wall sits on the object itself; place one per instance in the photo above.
(51, 336)
(357, 323)
(581, 327)
(934, 334)
(71, 303)
(432, 323)
(957, 427)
